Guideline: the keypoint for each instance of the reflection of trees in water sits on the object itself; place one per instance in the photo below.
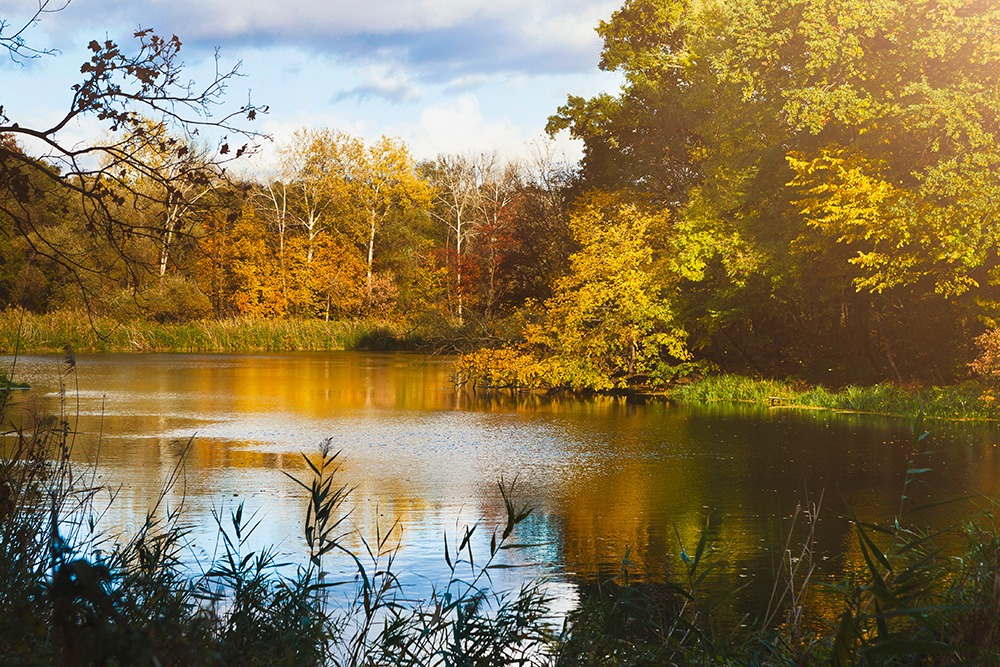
(508, 400)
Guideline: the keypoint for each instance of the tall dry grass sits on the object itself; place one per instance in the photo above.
(25, 332)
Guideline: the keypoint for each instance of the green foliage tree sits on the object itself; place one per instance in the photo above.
(898, 112)
(831, 167)
(646, 138)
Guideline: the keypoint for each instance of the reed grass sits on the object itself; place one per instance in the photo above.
(910, 601)
(25, 332)
(968, 400)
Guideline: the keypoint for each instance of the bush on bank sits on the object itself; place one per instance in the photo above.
(512, 369)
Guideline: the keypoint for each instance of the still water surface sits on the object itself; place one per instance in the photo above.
(605, 475)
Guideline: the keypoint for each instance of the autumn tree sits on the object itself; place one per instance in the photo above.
(330, 208)
(336, 278)
(251, 266)
(123, 87)
(316, 165)
(164, 201)
(528, 241)
(307, 205)
(213, 264)
(472, 200)
(889, 115)
(829, 167)
(900, 105)
(611, 320)
(499, 183)
(456, 193)
(382, 187)
(271, 198)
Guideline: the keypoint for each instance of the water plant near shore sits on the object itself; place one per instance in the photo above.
(53, 332)
(962, 401)
(83, 598)
(73, 595)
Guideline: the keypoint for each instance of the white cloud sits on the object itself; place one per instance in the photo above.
(443, 76)
(468, 83)
(436, 39)
(381, 82)
(572, 30)
(457, 126)
(344, 17)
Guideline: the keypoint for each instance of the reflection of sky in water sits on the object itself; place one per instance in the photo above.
(277, 507)
(605, 475)
(438, 449)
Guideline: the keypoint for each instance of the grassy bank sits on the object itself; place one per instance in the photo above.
(507, 369)
(964, 401)
(52, 332)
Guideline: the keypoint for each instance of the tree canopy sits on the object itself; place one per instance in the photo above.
(798, 139)
(802, 188)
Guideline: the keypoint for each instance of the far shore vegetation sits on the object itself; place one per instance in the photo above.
(743, 204)
(27, 333)
(484, 369)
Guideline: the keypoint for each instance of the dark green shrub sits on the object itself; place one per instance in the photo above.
(174, 300)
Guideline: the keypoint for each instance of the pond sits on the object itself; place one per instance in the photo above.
(606, 476)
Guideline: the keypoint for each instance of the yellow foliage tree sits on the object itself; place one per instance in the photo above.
(610, 321)
(257, 290)
(382, 185)
(901, 235)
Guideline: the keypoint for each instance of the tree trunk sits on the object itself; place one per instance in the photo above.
(371, 256)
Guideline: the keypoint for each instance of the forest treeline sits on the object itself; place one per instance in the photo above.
(791, 188)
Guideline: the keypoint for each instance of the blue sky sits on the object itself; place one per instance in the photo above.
(451, 77)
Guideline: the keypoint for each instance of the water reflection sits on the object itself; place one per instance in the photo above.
(606, 474)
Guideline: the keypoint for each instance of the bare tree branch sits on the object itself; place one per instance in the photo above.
(129, 89)
(17, 48)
